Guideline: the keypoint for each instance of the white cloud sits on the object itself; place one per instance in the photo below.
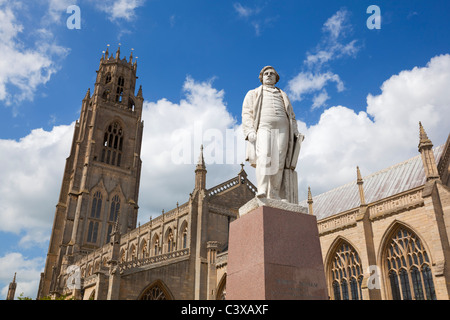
(23, 69)
(57, 9)
(244, 11)
(31, 177)
(316, 74)
(332, 45)
(173, 132)
(308, 82)
(384, 134)
(253, 17)
(28, 274)
(320, 99)
(337, 25)
(119, 9)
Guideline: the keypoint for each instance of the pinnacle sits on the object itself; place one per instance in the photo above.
(424, 140)
(201, 160)
(358, 175)
(423, 134)
(309, 195)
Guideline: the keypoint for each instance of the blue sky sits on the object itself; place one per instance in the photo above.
(358, 93)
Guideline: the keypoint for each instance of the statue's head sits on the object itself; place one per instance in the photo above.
(267, 70)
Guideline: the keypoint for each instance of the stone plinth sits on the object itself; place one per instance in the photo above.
(274, 254)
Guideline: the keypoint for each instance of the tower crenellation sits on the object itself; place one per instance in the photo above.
(116, 81)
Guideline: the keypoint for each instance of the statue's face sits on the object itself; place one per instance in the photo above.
(269, 77)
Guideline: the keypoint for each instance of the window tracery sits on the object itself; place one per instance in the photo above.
(154, 292)
(408, 267)
(94, 217)
(119, 92)
(113, 215)
(346, 273)
(113, 145)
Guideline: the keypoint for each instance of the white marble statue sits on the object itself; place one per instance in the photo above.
(273, 140)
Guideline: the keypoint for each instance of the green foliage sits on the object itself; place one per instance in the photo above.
(21, 297)
(61, 297)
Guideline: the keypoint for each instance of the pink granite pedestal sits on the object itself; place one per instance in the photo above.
(274, 254)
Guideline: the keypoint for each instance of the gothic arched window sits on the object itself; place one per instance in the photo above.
(155, 292)
(346, 273)
(113, 214)
(113, 145)
(94, 217)
(115, 207)
(222, 288)
(408, 267)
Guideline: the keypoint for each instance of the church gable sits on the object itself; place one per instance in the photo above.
(233, 193)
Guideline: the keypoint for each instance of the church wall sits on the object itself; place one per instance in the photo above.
(218, 228)
(234, 198)
(419, 215)
(422, 221)
(178, 277)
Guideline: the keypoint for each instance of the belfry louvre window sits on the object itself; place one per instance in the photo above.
(113, 145)
(408, 267)
(346, 273)
(119, 93)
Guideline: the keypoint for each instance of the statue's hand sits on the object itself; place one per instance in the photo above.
(251, 137)
(300, 136)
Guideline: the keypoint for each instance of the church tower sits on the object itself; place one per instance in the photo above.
(101, 179)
